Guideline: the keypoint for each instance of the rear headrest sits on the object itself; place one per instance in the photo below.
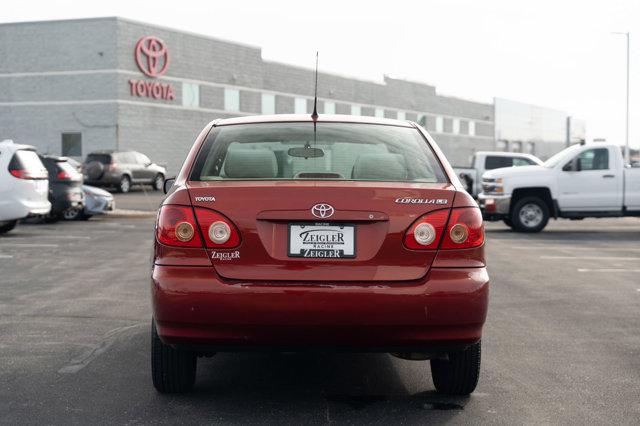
(250, 163)
(380, 167)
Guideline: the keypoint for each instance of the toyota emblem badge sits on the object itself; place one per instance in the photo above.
(322, 211)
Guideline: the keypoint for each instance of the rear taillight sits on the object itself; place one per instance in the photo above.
(464, 229)
(112, 167)
(25, 174)
(217, 230)
(176, 226)
(62, 175)
(425, 233)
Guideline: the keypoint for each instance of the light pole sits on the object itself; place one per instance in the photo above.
(626, 146)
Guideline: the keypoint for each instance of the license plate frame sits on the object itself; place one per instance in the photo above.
(348, 251)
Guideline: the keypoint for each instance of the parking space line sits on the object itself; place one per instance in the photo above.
(6, 256)
(608, 270)
(29, 245)
(568, 247)
(57, 237)
(589, 257)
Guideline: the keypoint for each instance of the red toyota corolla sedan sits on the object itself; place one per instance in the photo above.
(318, 233)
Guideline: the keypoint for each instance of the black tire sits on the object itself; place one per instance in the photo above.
(158, 182)
(84, 216)
(534, 222)
(51, 218)
(507, 221)
(7, 226)
(72, 214)
(173, 370)
(459, 374)
(125, 184)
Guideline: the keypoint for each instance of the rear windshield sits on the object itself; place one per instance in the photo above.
(28, 161)
(101, 158)
(71, 171)
(335, 151)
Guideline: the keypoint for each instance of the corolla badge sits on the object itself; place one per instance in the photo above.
(322, 210)
(407, 200)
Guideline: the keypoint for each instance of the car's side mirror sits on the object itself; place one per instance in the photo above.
(168, 183)
(147, 164)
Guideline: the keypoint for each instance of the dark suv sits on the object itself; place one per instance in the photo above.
(121, 169)
(65, 187)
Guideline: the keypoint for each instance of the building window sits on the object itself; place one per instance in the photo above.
(472, 128)
(456, 126)
(190, 95)
(516, 146)
(401, 115)
(501, 145)
(531, 148)
(268, 103)
(356, 110)
(379, 112)
(422, 120)
(329, 107)
(231, 99)
(300, 106)
(439, 124)
(72, 144)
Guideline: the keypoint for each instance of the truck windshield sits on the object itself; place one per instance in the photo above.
(561, 156)
(337, 151)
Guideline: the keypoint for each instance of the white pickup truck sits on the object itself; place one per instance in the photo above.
(487, 160)
(585, 180)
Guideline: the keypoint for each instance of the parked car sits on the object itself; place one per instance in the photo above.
(482, 161)
(121, 169)
(75, 164)
(303, 233)
(23, 184)
(65, 188)
(96, 201)
(584, 180)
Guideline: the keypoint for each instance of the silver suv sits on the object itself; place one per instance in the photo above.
(121, 169)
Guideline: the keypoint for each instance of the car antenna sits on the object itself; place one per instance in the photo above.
(314, 114)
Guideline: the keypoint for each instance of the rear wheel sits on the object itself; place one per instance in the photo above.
(7, 226)
(125, 184)
(72, 214)
(458, 375)
(158, 182)
(530, 214)
(173, 370)
(507, 221)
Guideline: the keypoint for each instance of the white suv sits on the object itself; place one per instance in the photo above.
(24, 184)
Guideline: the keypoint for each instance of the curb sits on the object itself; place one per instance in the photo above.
(130, 213)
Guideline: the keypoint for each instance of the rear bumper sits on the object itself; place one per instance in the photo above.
(494, 207)
(194, 309)
(14, 208)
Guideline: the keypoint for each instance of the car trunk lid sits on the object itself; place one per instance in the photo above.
(263, 212)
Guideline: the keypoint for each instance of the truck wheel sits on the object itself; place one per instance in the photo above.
(508, 222)
(7, 226)
(459, 374)
(173, 370)
(530, 214)
(125, 184)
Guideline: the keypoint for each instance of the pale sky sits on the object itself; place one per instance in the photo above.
(557, 54)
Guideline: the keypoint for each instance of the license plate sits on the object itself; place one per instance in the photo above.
(322, 240)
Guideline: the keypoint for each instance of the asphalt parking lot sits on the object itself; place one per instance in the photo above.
(561, 345)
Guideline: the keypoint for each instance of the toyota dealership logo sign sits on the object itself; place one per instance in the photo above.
(152, 56)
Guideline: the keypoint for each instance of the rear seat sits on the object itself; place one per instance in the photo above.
(379, 167)
(250, 164)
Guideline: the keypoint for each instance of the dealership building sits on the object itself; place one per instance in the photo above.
(75, 86)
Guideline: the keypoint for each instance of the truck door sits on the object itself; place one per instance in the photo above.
(589, 182)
